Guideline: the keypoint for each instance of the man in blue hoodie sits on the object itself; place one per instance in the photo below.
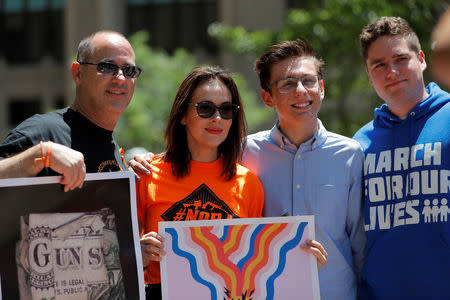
(406, 170)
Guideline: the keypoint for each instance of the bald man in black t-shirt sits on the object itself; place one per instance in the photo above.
(77, 139)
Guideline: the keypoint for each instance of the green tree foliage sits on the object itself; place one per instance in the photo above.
(144, 121)
(333, 28)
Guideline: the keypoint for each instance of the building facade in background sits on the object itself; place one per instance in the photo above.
(40, 38)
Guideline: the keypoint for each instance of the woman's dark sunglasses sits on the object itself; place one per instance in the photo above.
(111, 69)
(206, 109)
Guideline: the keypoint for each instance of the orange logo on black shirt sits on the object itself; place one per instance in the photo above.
(109, 166)
(201, 204)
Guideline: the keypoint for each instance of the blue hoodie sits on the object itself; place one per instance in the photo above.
(407, 195)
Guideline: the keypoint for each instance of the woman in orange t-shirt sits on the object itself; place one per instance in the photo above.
(198, 177)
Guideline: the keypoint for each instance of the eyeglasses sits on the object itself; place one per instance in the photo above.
(206, 109)
(289, 84)
(111, 69)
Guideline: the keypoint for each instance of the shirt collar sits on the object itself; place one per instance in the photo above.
(283, 142)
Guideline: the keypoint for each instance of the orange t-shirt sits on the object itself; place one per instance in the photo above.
(201, 195)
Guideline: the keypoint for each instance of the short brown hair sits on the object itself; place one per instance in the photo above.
(177, 151)
(281, 51)
(388, 26)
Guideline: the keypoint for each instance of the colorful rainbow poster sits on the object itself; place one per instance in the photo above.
(239, 259)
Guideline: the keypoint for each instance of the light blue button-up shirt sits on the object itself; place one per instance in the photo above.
(323, 177)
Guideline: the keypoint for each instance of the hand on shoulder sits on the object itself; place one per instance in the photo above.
(140, 164)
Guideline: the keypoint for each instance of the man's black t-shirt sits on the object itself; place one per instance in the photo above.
(71, 129)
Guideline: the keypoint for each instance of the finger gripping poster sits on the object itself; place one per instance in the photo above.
(240, 259)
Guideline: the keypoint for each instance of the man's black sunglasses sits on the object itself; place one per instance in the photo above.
(111, 69)
(206, 109)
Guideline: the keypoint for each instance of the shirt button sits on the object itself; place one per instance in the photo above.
(298, 156)
(298, 186)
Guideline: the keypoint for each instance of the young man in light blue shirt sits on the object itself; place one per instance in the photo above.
(306, 170)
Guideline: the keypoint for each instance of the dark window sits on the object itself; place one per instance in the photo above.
(31, 29)
(174, 24)
(295, 3)
(59, 102)
(20, 109)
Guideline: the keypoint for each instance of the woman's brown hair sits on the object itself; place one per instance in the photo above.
(177, 151)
